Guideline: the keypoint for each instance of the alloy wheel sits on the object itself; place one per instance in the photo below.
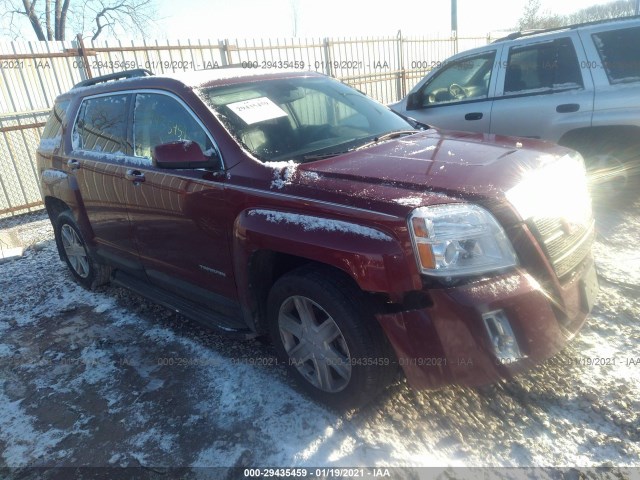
(75, 251)
(314, 343)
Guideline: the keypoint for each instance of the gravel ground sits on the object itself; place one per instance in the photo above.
(107, 378)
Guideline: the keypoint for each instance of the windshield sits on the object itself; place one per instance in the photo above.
(301, 118)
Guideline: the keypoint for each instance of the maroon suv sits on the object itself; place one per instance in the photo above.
(292, 205)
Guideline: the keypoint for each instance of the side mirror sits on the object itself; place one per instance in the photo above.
(183, 154)
(414, 100)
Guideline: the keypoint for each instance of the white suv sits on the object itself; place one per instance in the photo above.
(578, 86)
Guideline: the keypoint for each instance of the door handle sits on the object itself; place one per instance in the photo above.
(136, 176)
(73, 164)
(473, 116)
(567, 108)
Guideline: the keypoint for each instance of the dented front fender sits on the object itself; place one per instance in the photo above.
(373, 257)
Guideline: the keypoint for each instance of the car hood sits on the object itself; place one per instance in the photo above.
(456, 163)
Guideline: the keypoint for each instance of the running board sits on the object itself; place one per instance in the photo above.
(207, 317)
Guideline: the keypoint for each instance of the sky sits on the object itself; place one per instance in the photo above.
(218, 19)
(320, 18)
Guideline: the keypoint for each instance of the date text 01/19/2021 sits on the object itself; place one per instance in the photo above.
(360, 472)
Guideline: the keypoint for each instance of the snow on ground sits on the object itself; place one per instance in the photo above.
(107, 378)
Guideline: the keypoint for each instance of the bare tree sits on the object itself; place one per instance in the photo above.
(615, 9)
(532, 18)
(48, 18)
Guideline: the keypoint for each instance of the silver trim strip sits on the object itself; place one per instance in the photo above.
(312, 200)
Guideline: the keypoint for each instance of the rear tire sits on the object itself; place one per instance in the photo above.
(326, 334)
(72, 248)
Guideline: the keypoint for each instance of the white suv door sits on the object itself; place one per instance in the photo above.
(543, 91)
(457, 96)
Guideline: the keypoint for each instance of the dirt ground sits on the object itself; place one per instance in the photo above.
(108, 379)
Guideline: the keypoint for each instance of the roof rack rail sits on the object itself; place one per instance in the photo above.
(526, 33)
(139, 72)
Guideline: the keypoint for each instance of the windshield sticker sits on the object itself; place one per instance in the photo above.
(256, 110)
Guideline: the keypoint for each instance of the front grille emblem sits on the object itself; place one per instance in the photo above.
(569, 228)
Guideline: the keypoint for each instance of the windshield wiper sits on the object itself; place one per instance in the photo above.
(387, 136)
(380, 138)
(319, 156)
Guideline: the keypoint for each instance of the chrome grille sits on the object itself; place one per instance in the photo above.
(565, 245)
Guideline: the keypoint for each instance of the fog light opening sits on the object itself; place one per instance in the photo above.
(503, 341)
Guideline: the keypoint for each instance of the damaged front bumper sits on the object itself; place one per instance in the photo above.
(479, 333)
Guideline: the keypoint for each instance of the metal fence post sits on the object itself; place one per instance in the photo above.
(83, 53)
(228, 58)
(402, 78)
(327, 55)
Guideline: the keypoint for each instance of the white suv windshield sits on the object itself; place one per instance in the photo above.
(301, 118)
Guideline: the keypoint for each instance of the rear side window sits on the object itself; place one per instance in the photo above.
(102, 125)
(620, 54)
(52, 133)
(541, 67)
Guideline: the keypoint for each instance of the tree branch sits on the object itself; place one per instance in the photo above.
(57, 19)
(123, 12)
(47, 17)
(29, 8)
(50, 19)
(63, 19)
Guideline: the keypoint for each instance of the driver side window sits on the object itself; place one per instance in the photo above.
(465, 79)
(161, 119)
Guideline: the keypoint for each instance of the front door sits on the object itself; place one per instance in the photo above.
(180, 217)
(459, 96)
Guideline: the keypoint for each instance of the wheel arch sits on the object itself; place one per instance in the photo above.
(263, 251)
(266, 267)
(96, 273)
(55, 207)
(619, 139)
(352, 313)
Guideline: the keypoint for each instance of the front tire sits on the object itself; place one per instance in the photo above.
(326, 334)
(607, 174)
(72, 248)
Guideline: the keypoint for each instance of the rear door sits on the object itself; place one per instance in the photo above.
(614, 60)
(459, 96)
(98, 160)
(544, 89)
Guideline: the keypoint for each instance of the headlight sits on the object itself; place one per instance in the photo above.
(558, 189)
(459, 239)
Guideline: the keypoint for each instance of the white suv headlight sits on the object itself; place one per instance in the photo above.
(459, 239)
